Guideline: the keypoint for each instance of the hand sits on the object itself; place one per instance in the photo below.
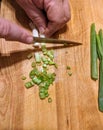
(57, 14)
(10, 31)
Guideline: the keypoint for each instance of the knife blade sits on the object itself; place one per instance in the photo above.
(52, 40)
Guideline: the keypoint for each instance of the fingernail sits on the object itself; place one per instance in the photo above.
(29, 39)
(41, 30)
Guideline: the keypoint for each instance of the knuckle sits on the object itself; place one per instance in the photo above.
(23, 36)
(36, 20)
(62, 20)
(67, 18)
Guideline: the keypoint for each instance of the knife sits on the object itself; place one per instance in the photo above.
(58, 41)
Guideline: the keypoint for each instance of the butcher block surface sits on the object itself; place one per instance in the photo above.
(74, 98)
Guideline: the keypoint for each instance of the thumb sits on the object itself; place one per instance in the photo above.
(11, 31)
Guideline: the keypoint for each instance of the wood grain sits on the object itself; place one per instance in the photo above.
(75, 104)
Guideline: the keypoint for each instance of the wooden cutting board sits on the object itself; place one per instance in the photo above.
(75, 98)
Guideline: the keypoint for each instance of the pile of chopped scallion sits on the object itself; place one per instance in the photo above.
(40, 74)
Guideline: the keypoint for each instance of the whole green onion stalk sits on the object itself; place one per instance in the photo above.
(100, 56)
(94, 67)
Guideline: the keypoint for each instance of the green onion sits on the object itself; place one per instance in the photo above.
(29, 84)
(101, 37)
(40, 75)
(33, 64)
(42, 95)
(36, 80)
(100, 93)
(100, 56)
(70, 73)
(34, 73)
(46, 95)
(56, 66)
(23, 78)
(49, 100)
(44, 60)
(37, 58)
(42, 90)
(99, 47)
(51, 63)
(94, 70)
(50, 54)
(68, 68)
(44, 65)
(44, 50)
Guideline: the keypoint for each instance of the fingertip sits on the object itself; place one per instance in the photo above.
(29, 39)
(41, 30)
(48, 33)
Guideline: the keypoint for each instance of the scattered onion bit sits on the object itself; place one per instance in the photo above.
(49, 99)
(23, 78)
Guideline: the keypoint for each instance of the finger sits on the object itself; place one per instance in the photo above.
(10, 31)
(67, 11)
(52, 28)
(38, 19)
(56, 22)
(35, 14)
(39, 3)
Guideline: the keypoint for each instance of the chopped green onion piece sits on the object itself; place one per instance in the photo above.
(50, 54)
(29, 56)
(33, 64)
(43, 46)
(46, 91)
(51, 62)
(70, 73)
(56, 66)
(42, 90)
(44, 50)
(23, 78)
(34, 73)
(54, 74)
(49, 100)
(29, 84)
(46, 62)
(44, 65)
(47, 95)
(36, 80)
(42, 95)
(44, 59)
(68, 68)
(37, 58)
